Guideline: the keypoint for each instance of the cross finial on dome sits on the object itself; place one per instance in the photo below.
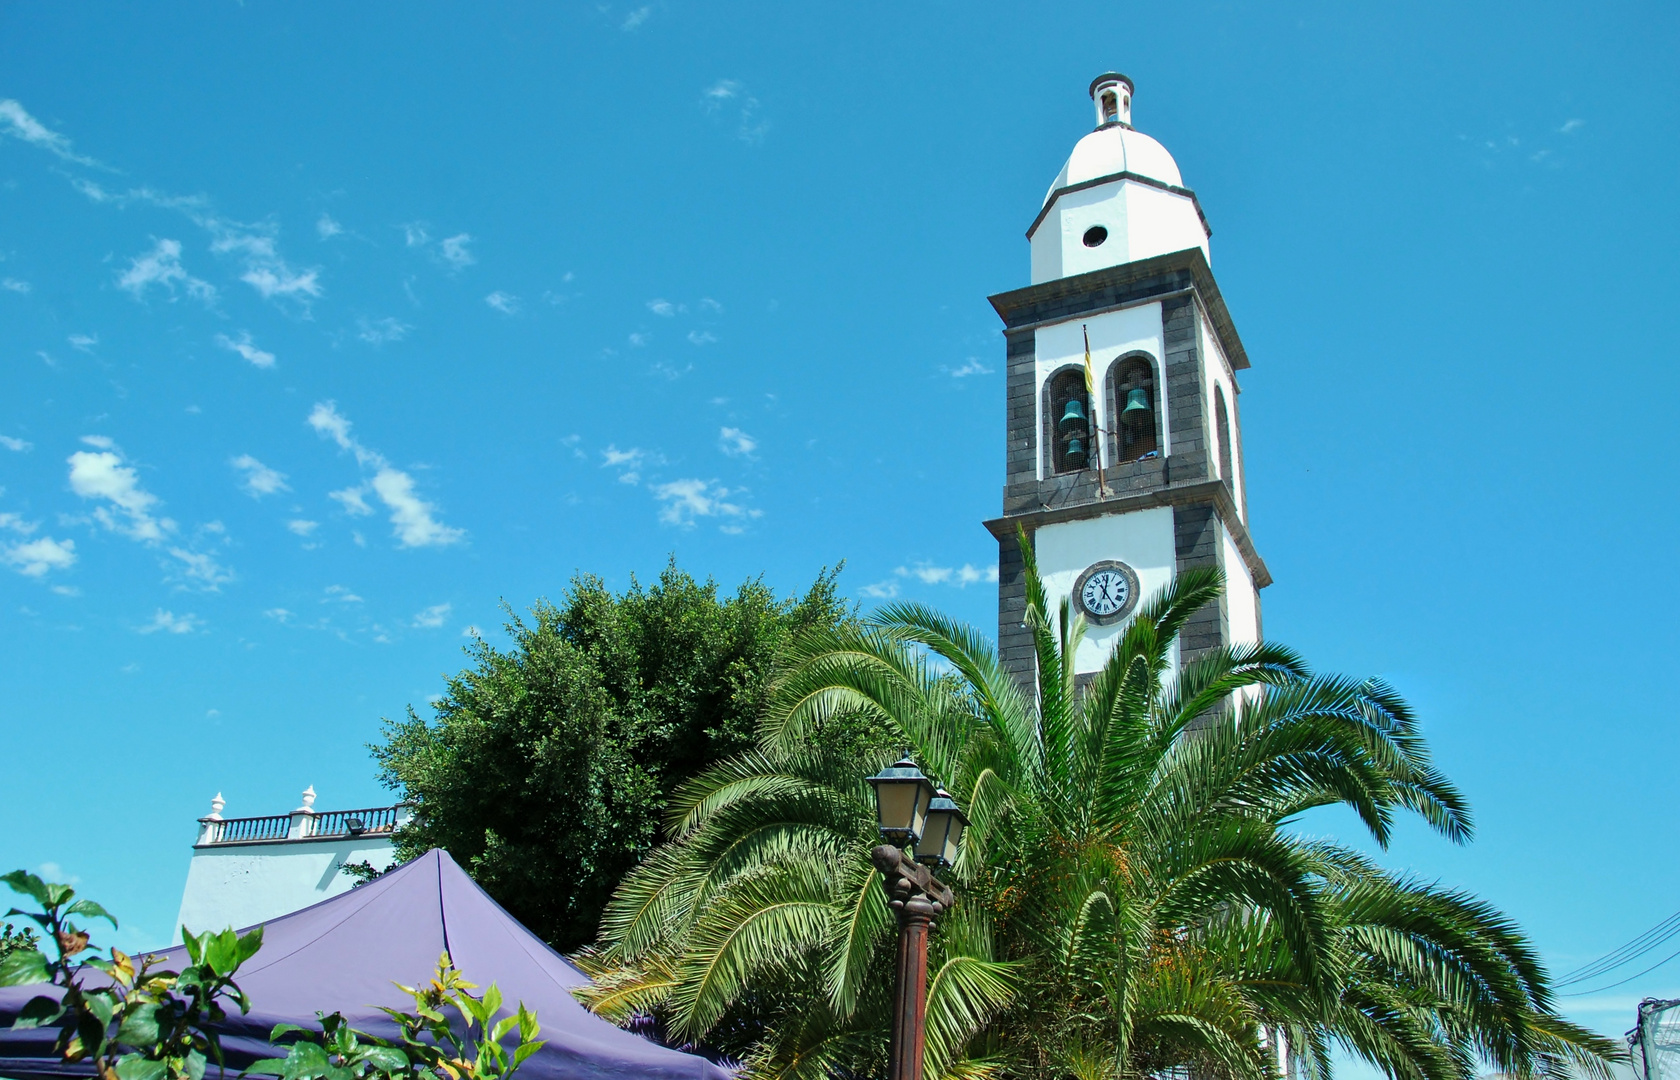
(1111, 92)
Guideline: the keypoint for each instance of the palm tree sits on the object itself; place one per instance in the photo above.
(1135, 896)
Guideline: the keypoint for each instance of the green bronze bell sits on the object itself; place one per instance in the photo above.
(1074, 416)
(1137, 401)
(1075, 454)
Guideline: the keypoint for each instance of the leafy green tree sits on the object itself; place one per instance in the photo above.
(546, 767)
(1132, 898)
(14, 940)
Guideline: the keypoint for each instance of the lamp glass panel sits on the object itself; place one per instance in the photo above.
(953, 839)
(933, 844)
(896, 805)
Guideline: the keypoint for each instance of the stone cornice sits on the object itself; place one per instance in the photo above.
(1106, 289)
(1203, 491)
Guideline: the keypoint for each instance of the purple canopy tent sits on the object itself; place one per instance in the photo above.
(343, 954)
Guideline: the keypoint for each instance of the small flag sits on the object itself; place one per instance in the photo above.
(1090, 379)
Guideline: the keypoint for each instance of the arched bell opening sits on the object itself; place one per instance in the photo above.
(1135, 405)
(1067, 422)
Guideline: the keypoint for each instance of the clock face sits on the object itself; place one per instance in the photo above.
(1106, 592)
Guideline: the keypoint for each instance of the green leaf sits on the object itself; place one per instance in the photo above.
(248, 945)
(287, 1029)
(194, 944)
(91, 910)
(139, 1027)
(38, 1012)
(101, 1005)
(22, 881)
(135, 1067)
(266, 1067)
(221, 953)
(524, 1051)
(387, 1059)
(503, 1026)
(24, 968)
(195, 1065)
(492, 1003)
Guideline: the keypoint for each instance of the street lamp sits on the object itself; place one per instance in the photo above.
(902, 796)
(942, 833)
(911, 813)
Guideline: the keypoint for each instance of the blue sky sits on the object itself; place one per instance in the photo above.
(323, 330)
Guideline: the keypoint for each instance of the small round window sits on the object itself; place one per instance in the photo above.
(1095, 235)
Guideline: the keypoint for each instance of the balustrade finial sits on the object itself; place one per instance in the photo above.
(308, 806)
(216, 805)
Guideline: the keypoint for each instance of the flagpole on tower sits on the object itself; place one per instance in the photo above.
(1091, 398)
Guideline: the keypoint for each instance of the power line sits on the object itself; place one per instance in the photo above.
(1651, 939)
(1624, 982)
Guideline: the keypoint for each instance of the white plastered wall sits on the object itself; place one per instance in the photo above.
(1113, 334)
(1217, 372)
(1142, 539)
(1242, 600)
(240, 885)
(1142, 221)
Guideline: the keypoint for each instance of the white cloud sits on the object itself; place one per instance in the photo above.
(636, 18)
(246, 348)
(415, 235)
(662, 307)
(202, 568)
(751, 127)
(162, 267)
(340, 594)
(259, 479)
(265, 270)
(702, 337)
(35, 558)
(411, 515)
(961, 577)
(736, 443)
(721, 91)
(20, 446)
(929, 575)
(12, 284)
(353, 499)
(881, 590)
(273, 282)
(15, 523)
(380, 331)
(327, 227)
(66, 590)
(432, 617)
(1570, 127)
(278, 614)
(17, 123)
(301, 527)
(169, 622)
(412, 518)
(639, 339)
(454, 250)
(502, 302)
(686, 500)
(628, 462)
(83, 342)
(708, 304)
(103, 475)
(972, 367)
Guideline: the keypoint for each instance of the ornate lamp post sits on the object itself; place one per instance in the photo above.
(913, 816)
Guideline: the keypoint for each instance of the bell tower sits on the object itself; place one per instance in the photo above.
(1126, 468)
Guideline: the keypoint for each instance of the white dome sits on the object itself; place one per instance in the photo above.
(1117, 148)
